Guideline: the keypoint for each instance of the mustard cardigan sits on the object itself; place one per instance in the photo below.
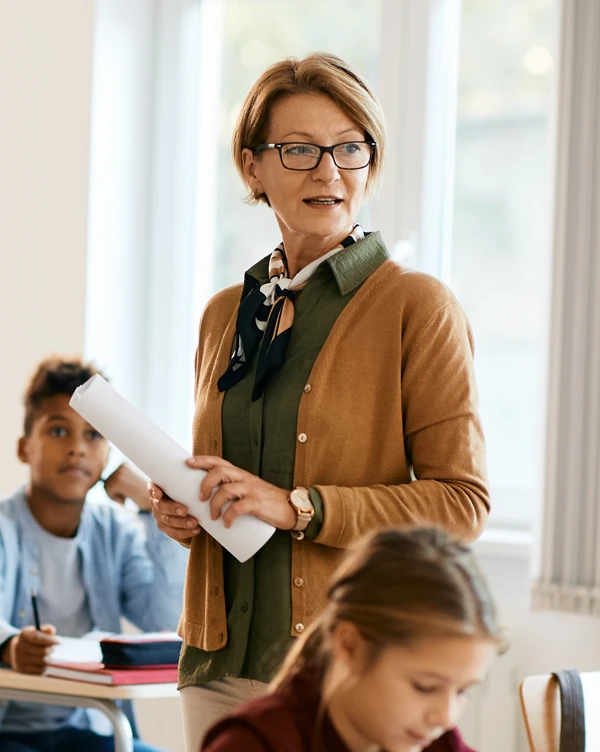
(388, 433)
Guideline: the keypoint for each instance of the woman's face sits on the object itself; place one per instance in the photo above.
(294, 195)
(410, 695)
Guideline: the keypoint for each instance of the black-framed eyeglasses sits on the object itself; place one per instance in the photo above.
(350, 155)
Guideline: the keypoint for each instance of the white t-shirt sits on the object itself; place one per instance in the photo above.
(62, 601)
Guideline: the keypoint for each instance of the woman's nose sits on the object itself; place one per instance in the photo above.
(327, 170)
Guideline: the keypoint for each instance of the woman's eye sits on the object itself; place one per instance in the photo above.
(298, 149)
(95, 435)
(351, 148)
(57, 431)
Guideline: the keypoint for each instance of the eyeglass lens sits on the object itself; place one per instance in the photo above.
(350, 156)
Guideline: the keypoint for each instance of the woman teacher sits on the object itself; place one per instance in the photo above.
(335, 391)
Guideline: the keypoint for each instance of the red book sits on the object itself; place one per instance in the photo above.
(97, 673)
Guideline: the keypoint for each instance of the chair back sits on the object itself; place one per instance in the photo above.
(541, 707)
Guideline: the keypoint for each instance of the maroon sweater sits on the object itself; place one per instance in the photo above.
(286, 722)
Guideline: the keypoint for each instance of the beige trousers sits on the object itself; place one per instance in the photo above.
(202, 707)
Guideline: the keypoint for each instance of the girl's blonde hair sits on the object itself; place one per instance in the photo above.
(395, 586)
(318, 73)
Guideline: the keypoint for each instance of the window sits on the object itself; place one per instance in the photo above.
(497, 254)
(499, 258)
(467, 91)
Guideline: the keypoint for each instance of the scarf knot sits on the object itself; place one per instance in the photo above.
(284, 292)
(265, 319)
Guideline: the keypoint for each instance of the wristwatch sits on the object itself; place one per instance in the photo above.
(303, 506)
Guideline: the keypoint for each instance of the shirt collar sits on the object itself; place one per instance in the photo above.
(350, 267)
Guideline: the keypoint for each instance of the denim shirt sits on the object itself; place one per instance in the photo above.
(128, 569)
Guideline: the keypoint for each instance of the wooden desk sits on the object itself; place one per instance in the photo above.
(51, 691)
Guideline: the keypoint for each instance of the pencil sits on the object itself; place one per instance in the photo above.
(36, 616)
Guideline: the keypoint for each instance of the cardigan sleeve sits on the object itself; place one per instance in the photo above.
(444, 446)
(187, 542)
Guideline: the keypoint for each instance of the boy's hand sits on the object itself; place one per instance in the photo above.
(27, 651)
(125, 483)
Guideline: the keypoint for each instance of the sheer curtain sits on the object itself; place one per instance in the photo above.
(569, 569)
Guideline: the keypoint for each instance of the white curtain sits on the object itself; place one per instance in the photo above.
(569, 569)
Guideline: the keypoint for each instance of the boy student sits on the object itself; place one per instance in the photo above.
(89, 564)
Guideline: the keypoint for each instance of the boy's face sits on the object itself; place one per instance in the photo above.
(65, 454)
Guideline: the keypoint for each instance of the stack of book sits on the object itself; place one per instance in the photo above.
(149, 658)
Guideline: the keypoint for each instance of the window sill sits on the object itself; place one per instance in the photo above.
(505, 543)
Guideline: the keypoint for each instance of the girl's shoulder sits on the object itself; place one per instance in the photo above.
(269, 724)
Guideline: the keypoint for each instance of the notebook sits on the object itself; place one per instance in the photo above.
(98, 674)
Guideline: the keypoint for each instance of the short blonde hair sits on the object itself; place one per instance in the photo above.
(318, 73)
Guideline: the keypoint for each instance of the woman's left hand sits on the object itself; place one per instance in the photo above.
(249, 494)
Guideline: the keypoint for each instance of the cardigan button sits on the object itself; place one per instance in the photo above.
(299, 628)
(298, 581)
(307, 389)
(302, 438)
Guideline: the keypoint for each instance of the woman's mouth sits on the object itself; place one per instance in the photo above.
(322, 201)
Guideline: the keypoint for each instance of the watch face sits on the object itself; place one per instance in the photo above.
(301, 499)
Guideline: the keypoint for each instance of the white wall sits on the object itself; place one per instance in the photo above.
(46, 52)
(45, 75)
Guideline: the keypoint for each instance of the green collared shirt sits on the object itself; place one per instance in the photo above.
(260, 437)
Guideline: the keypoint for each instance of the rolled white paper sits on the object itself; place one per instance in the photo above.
(163, 460)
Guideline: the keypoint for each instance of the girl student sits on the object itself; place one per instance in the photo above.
(409, 628)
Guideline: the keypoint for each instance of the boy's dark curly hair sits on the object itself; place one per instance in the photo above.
(54, 375)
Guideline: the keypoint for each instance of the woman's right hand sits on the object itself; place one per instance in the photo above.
(171, 517)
